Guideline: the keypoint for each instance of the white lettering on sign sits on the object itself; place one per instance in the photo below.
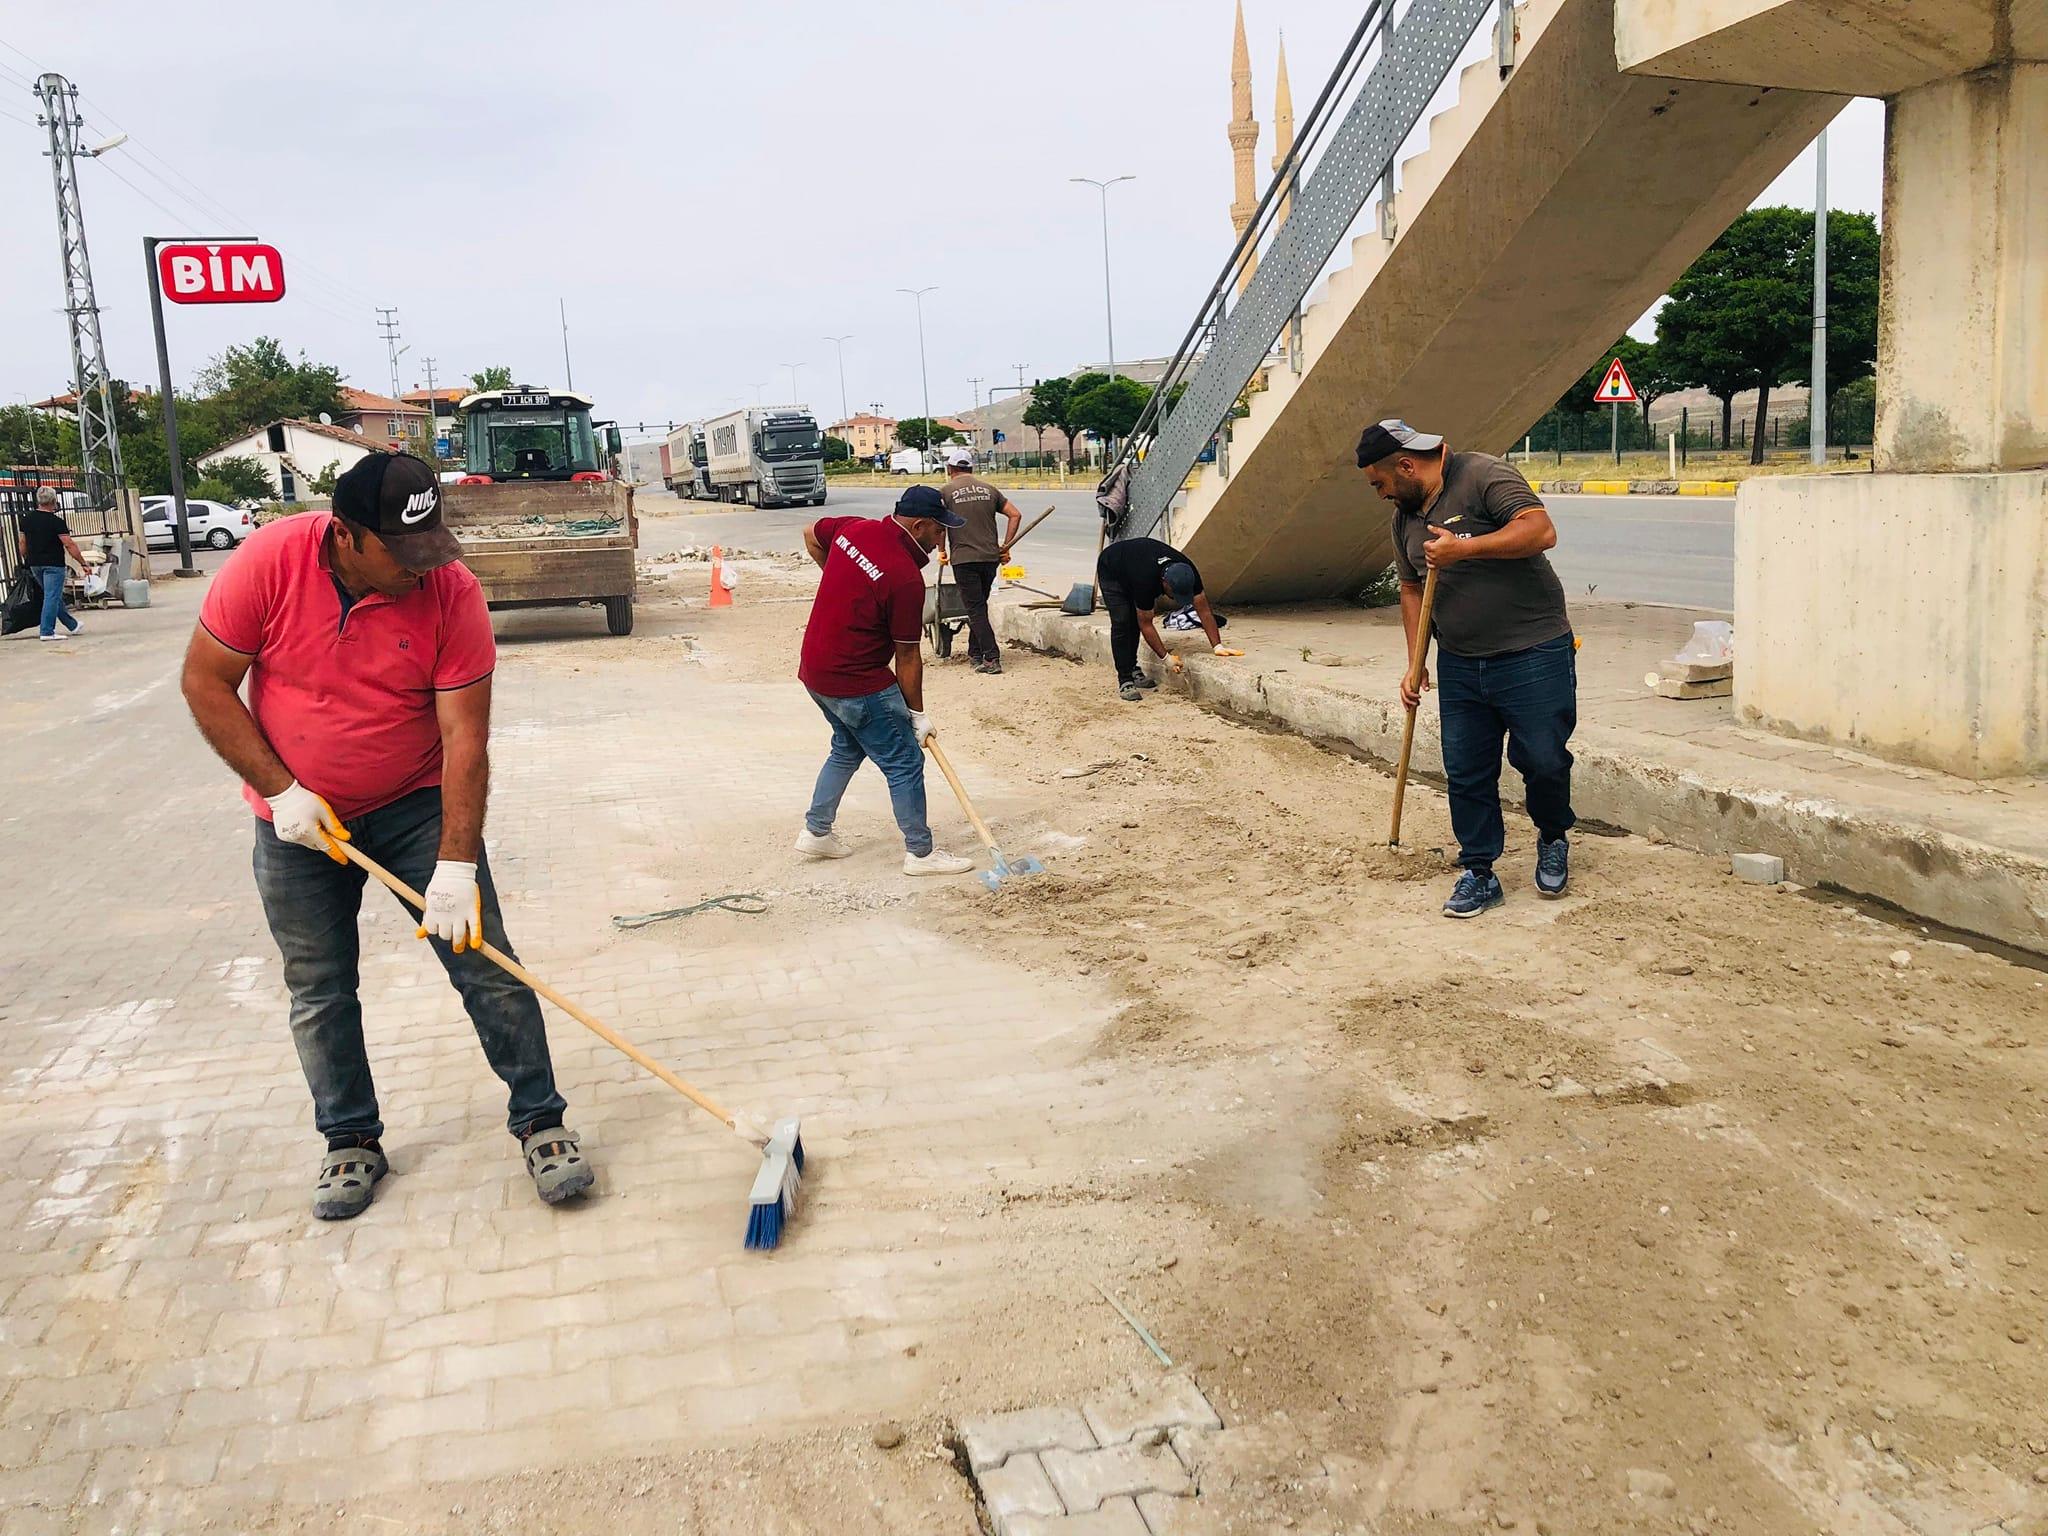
(247, 274)
(221, 274)
(872, 570)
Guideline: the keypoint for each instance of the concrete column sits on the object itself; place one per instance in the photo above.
(1962, 373)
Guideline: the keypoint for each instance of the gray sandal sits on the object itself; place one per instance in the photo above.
(557, 1164)
(348, 1178)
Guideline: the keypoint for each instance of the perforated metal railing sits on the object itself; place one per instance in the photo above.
(1227, 342)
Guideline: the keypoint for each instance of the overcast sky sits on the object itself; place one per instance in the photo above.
(712, 189)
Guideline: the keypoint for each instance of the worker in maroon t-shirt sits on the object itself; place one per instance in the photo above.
(869, 612)
(367, 650)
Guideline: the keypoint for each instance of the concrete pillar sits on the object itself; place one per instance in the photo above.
(1962, 380)
(1905, 612)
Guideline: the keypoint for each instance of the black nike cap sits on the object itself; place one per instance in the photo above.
(398, 498)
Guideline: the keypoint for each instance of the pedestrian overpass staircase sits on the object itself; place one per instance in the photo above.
(1556, 199)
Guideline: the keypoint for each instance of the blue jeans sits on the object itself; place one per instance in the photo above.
(312, 903)
(54, 608)
(876, 727)
(1530, 696)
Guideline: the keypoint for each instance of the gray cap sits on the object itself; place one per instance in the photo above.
(1385, 439)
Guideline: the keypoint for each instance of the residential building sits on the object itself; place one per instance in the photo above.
(867, 435)
(379, 417)
(296, 453)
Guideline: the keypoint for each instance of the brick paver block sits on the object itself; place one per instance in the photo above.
(1086, 1479)
(1166, 1515)
(1119, 1517)
(994, 1438)
(1016, 1490)
(1160, 1402)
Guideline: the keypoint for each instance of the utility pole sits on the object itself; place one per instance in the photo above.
(840, 342)
(433, 409)
(976, 443)
(387, 323)
(568, 373)
(1817, 399)
(1020, 374)
(99, 439)
(918, 295)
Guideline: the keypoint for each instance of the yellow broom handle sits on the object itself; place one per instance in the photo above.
(952, 778)
(1417, 664)
(591, 1022)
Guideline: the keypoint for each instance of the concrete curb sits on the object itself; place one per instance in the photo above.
(1999, 893)
(1636, 487)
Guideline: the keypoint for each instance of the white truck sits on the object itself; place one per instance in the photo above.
(771, 456)
(683, 462)
(909, 461)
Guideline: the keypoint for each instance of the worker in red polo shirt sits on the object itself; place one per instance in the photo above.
(368, 653)
(868, 615)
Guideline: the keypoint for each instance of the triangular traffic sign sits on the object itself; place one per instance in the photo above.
(1616, 389)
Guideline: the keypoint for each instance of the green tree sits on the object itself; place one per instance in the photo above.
(250, 386)
(1741, 317)
(919, 433)
(422, 448)
(236, 479)
(837, 449)
(1048, 404)
(1111, 408)
(27, 436)
(323, 482)
(497, 377)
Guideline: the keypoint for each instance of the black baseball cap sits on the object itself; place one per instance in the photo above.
(398, 498)
(925, 501)
(1384, 439)
(1179, 578)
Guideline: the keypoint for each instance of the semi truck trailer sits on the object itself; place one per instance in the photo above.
(765, 457)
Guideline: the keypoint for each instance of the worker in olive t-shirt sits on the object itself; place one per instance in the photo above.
(975, 551)
(1506, 663)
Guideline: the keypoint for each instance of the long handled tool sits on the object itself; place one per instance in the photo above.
(774, 1196)
(1004, 868)
(1417, 665)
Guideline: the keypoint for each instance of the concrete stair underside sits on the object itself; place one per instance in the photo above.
(1548, 212)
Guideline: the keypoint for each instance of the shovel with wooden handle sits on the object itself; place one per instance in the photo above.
(1005, 868)
(1417, 665)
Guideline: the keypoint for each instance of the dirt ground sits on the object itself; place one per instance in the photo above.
(1676, 1205)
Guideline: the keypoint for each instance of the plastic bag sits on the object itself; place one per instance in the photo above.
(1712, 640)
(24, 602)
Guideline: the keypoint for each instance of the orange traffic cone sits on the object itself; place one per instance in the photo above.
(721, 594)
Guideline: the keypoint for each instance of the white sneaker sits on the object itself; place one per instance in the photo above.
(49, 637)
(937, 862)
(812, 846)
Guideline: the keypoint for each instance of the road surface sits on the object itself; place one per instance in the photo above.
(1644, 549)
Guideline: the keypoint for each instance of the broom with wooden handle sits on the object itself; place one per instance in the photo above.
(775, 1188)
(1417, 665)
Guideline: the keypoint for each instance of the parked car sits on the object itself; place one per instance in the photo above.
(213, 523)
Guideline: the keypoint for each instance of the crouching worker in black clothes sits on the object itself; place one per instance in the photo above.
(1133, 575)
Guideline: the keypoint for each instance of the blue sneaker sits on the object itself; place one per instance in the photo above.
(1477, 891)
(1553, 866)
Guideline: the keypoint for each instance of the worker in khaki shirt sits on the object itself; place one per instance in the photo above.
(1506, 662)
(975, 551)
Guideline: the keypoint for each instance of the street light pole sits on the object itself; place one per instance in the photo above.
(924, 377)
(1817, 398)
(794, 398)
(1108, 313)
(840, 342)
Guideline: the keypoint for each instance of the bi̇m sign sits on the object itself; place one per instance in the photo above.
(220, 274)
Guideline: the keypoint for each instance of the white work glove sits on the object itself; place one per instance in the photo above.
(1224, 650)
(297, 815)
(921, 726)
(1173, 660)
(455, 907)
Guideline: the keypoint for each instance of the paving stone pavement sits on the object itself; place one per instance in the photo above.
(177, 1334)
(1122, 1462)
